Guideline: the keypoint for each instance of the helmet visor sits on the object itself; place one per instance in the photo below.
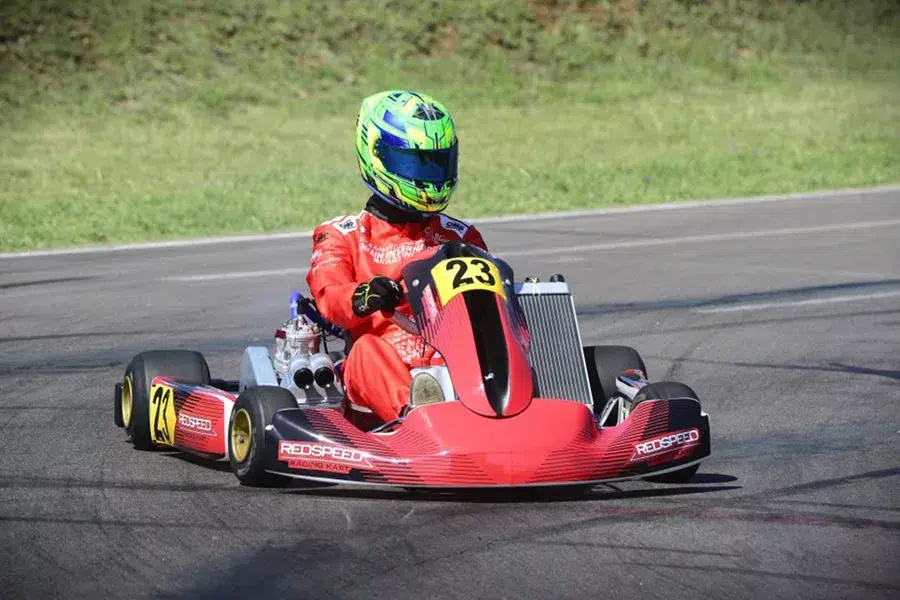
(434, 166)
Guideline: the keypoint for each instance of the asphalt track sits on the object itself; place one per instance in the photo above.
(784, 316)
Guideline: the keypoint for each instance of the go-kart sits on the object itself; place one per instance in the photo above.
(524, 403)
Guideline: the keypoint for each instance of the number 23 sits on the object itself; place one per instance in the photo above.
(460, 279)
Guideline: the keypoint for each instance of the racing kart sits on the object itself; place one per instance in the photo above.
(524, 403)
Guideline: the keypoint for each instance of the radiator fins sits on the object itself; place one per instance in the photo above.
(556, 353)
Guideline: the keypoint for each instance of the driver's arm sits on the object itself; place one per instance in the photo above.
(473, 236)
(332, 277)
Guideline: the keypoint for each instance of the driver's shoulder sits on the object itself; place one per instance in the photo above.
(343, 224)
(451, 224)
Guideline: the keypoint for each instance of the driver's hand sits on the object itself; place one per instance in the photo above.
(379, 293)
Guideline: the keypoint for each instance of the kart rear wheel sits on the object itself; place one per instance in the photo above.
(604, 364)
(666, 390)
(251, 414)
(134, 399)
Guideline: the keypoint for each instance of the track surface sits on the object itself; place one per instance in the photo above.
(784, 316)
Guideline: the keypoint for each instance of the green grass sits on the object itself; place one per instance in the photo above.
(144, 133)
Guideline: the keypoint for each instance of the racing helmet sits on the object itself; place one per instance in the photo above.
(407, 150)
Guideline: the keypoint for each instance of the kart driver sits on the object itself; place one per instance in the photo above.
(408, 150)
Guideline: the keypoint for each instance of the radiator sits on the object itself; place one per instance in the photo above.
(556, 353)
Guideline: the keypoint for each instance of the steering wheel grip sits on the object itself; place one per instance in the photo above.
(405, 323)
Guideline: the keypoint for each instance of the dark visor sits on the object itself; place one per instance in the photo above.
(436, 166)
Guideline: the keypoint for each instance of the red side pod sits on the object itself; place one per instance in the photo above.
(200, 426)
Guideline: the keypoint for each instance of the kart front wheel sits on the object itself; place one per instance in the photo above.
(133, 400)
(251, 414)
(604, 365)
(667, 390)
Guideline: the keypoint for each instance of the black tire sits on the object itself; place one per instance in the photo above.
(184, 365)
(665, 390)
(604, 364)
(117, 406)
(260, 403)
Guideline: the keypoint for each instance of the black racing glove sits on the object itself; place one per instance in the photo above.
(379, 293)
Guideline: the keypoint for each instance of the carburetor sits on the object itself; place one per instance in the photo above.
(298, 358)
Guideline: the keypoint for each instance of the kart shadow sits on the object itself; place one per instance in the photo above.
(600, 492)
(713, 478)
(222, 466)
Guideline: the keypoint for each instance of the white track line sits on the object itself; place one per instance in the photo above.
(714, 237)
(232, 239)
(694, 239)
(234, 275)
(709, 203)
(239, 239)
(793, 303)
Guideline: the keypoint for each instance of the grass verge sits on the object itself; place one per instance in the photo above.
(195, 152)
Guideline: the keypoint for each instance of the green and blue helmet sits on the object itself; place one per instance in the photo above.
(407, 149)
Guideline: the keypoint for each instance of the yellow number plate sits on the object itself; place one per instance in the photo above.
(457, 275)
(162, 414)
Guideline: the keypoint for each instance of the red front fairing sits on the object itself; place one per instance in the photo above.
(447, 445)
(458, 343)
(478, 327)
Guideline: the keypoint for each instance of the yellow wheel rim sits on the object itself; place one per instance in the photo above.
(241, 432)
(127, 400)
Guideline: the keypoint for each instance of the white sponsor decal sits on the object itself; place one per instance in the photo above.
(454, 225)
(669, 441)
(318, 263)
(429, 305)
(197, 424)
(394, 253)
(292, 451)
(388, 255)
(347, 225)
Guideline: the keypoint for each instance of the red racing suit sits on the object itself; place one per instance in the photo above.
(350, 250)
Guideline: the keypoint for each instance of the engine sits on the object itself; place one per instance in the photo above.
(299, 359)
